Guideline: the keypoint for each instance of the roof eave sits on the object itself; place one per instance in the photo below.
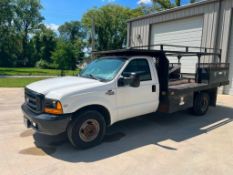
(173, 10)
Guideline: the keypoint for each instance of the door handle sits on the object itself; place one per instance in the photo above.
(153, 88)
(110, 92)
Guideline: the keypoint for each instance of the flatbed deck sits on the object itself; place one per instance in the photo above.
(178, 89)
(187, 87)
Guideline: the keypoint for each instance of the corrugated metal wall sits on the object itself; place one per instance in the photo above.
(224, 30)
(142, 26)
(216, 27)
(217, 16)
(225, 38)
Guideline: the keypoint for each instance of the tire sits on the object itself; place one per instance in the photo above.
(87, 129)
(200, 104)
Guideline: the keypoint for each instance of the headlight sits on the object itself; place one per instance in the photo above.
(53, 107)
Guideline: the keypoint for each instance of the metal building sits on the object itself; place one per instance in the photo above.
(206, 24)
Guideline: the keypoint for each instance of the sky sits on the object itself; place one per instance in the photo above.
(57, 12)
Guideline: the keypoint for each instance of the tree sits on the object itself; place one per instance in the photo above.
(78, 47)
(178, 3)
(110, 25)
(9, 40)
(44, 42)
(64, 56)
(71, 31)
(167, 4)
(143, 9)
(27, 22)
(163, 4)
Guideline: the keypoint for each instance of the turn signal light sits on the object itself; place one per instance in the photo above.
(57, 110)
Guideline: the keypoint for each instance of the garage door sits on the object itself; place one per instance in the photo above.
(186, 32)
(229, 89)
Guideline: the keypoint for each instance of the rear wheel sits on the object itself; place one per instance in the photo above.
(201, 104)
(87, 129)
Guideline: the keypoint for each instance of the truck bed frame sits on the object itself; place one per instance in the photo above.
(177, 90)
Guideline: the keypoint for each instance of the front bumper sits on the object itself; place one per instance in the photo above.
(46, 123)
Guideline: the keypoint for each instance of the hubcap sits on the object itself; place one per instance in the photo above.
(89, 130)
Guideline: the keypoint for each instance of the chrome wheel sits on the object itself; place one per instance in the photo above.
(89, 130)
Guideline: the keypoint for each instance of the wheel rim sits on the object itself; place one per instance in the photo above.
(89, 130)
(204, 104)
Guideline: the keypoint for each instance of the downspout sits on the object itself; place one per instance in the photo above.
(129, 37)
(217, 27)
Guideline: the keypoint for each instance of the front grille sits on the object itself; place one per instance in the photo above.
(34, 100)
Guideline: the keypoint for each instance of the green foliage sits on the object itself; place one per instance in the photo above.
(71, 45)
(44, 42)
(178, 2)
(71, 31)
(192, 1)
(143, 9)
(8, 38)
(18, 20)
(64, 56)
(159, 5)
(45, 65)
(28, 20)
(163, 4)
(110, 25)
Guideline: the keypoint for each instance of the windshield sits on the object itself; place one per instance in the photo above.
(103, 69)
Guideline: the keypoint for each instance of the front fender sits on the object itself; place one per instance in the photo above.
(75, 102)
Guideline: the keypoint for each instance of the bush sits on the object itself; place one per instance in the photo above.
(45, 65)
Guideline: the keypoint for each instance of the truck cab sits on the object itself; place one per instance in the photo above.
(116, 86)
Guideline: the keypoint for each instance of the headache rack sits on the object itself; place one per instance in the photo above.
(207, 67)
(168, 49)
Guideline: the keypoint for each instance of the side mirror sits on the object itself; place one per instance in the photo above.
(133, 80)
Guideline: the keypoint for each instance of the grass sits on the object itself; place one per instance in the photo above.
(17, 82)
(34, 71)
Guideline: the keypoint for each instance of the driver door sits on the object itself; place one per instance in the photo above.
(133, 101)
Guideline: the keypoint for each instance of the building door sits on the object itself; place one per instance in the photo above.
(187, 32)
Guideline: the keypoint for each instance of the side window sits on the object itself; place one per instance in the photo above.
(139, 66)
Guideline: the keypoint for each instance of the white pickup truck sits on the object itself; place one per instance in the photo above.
(119, 85)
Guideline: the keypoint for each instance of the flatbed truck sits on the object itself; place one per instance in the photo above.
(122, 84)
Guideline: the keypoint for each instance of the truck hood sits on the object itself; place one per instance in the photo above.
(63, 84)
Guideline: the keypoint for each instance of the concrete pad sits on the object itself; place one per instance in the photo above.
(156, 144)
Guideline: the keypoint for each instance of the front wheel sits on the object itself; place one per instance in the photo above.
(87, 129)
(200, 104)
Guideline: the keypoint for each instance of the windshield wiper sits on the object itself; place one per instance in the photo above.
(95, 78)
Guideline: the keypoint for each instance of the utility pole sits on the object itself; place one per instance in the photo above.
(93, 34)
